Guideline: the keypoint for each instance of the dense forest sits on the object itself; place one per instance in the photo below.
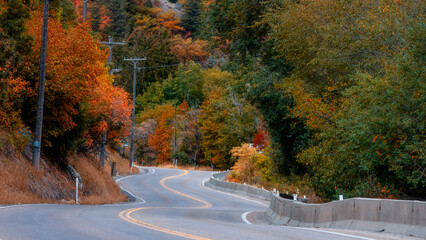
(318, 97)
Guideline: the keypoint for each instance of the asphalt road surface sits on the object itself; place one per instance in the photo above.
(170, 204)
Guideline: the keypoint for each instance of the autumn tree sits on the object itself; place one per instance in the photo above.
(76, 85)
(186, 85)
(245, 166)
(189, 134)
(189, 49)
(15, 44)
(149, 39)
(152, 96)
(239, 22)
(377, 137)
(143, 150)
(160, 140)
(226, 121)
(251, 166)
(341, 50)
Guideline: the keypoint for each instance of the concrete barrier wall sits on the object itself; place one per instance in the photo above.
(380, 215)
(216, 182)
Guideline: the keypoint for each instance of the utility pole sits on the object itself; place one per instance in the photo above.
(110, 45)
(42, 76)
(132, 131)
(174, 143)
(84, 10)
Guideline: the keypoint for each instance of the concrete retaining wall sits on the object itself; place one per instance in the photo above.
(380, 215)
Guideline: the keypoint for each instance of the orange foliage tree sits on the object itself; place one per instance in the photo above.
(79, 90)
(187, 49)
(160, 141)
(11, 88)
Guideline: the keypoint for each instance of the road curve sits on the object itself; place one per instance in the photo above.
(170, 204)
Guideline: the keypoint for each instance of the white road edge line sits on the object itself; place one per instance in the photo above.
(204, 184)
(244, 217)
(128, 191)
(15, 205)
(151, 172)
(325, 231)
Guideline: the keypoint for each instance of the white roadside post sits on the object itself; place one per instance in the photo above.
(340, 197)
(76, 191)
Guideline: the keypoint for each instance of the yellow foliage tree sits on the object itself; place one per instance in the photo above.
(245, 166)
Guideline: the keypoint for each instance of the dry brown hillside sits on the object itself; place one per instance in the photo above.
(20, 183)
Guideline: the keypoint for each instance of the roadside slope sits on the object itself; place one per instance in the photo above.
(21, 183)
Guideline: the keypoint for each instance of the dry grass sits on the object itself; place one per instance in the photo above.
(122, 164)
(185, 167)
(98, 185)
(21, 183)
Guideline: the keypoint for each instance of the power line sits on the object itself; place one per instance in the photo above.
(164, 66)
(160, 66)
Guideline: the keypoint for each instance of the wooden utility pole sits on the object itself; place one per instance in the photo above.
(84, 10)
(110, 45)
(132, 132)
(42, 76)
(174, 142)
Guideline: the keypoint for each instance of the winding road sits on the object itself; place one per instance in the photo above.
(170, 204)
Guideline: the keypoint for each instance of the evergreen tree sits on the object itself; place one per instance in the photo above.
(120, 27)
(191, 19)
(148, 4)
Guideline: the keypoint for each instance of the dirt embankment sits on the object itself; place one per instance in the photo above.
(22, 183)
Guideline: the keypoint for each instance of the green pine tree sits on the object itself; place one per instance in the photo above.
(148, 4)
(191, 19)
(120, 19)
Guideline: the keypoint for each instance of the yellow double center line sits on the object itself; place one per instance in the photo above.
(125, 215)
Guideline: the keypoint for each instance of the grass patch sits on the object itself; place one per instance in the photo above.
(21, 183)
(98, 185)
